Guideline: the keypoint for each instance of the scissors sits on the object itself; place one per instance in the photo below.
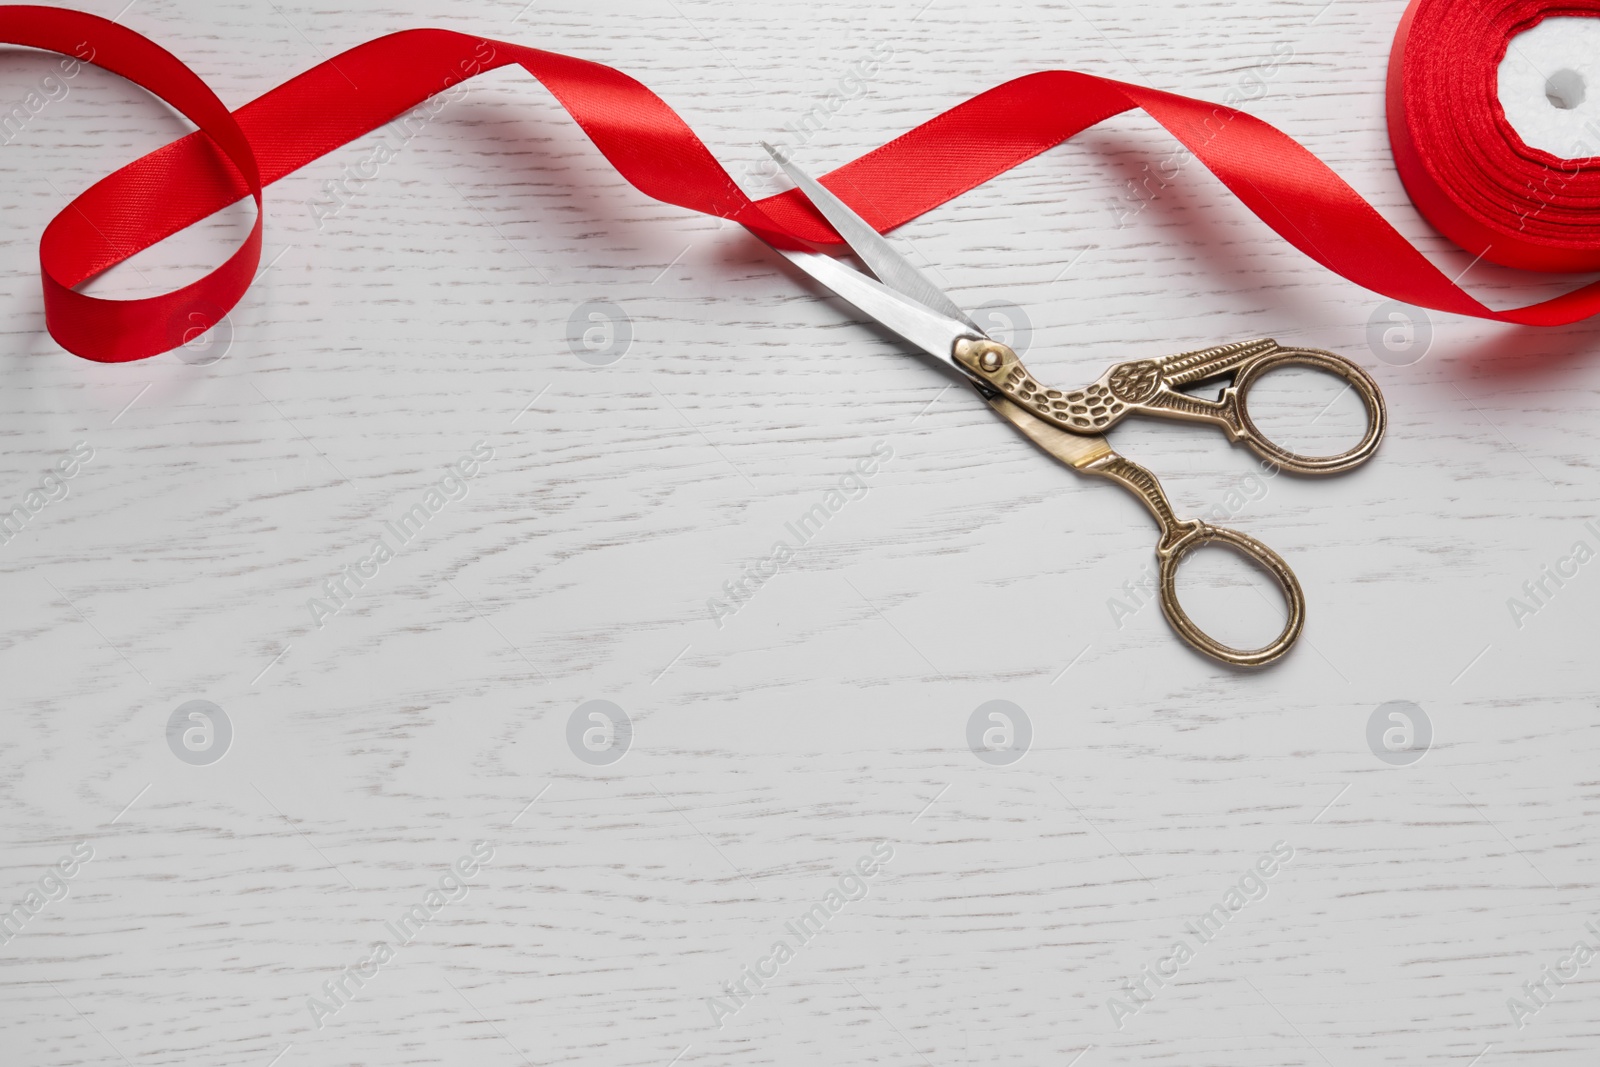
(1069, 424)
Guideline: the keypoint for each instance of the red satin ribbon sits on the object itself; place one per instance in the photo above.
(234, 154)
(1466, 169)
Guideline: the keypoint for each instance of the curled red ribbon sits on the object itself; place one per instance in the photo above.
(235, 154)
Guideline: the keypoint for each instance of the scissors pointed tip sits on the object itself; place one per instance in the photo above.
(866, 242)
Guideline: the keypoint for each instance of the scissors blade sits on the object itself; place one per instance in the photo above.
(890, 266)
(930, 331)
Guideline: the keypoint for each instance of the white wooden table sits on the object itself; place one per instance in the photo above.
(222, 900)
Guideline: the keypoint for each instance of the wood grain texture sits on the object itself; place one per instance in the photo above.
(831, 712)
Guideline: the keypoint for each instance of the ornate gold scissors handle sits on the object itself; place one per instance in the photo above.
(1153, 387)
(1091, 454)
(1069, 424)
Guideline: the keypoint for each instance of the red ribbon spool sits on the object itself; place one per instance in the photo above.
(1466, 168)
(1445, 146)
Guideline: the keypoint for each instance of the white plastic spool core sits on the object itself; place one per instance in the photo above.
(1550, 86)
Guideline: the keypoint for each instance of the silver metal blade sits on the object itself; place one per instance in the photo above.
(930, 331)
(890, 266)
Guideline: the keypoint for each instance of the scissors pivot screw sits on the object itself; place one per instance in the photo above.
(987, 357)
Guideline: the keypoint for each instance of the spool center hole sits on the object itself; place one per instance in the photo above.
(1565, 89)
(1549, 84)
